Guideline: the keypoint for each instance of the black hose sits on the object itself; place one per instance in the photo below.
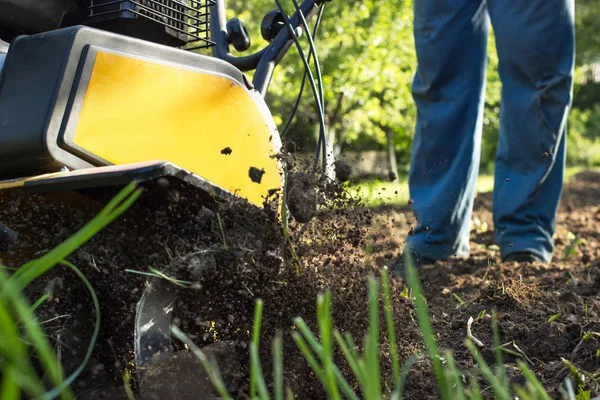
(301, 91)
(316, 93)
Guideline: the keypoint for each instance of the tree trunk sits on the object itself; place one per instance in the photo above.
(329, 150)
(393, 164)
(331, 156)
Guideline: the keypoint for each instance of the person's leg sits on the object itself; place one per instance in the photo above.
(536, 50)
(448, 89)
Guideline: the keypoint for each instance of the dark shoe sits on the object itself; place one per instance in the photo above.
(399, 266)
(522, 257)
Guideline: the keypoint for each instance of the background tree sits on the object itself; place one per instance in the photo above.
(367, 56)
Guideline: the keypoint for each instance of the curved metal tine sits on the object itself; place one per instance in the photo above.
(154, 313)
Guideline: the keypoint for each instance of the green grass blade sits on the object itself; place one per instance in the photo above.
(14, 355)
(127, 385)
(360, 362)
(289, 395)
(39, 301)
(258, 309)
(344, 385)
(12, 348)
(500, 368)
(389, 319)
(398, 392)
(117, 206)
(308, 335)
(326, 355)
(54, 392)
(257, 374)
(474, 390)
(317, 348)
(257, 382)
(308, 356)
(133, 271)
(277, 349)
(525, 394)
(533, 381)
(351, 345)
(11, 289)
(372, 345)
(25, 383)
(574, 371)
(213, 372)
(10, 389)
(426, 329)
(34, 332)
(501, 391)
(351, 358)
(454, 377)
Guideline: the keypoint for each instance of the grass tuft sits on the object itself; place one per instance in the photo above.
(21, 333)
(426, 328)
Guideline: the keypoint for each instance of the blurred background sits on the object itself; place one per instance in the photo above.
(368, 61)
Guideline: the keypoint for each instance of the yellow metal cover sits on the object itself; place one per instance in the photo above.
(137, 110)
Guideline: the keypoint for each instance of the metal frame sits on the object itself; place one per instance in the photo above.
(195, 12)
(265, 60)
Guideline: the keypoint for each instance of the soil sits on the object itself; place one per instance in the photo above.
(234, 253)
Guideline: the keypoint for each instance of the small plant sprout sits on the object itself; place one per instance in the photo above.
(574, 242)
(554, 317)
(481, 315)
(460, 301)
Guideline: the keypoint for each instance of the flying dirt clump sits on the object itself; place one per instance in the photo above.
(256, 174)
(226, 151)
(342, 170)
(302, 196)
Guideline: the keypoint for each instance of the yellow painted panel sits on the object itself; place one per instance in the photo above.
(135, 110)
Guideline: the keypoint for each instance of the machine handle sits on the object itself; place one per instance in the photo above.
(274, 51)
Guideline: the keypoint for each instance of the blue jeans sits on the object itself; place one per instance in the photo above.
(536, 49)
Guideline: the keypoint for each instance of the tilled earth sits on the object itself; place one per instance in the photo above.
(234, 254)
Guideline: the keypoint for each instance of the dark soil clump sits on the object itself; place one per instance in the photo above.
(343, 170)
(256, 174)
(302, 196)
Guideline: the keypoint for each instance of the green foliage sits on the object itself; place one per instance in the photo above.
(367, 55)
(588, 25)
(583, 146)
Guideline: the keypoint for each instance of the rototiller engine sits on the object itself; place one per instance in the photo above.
(96, 94)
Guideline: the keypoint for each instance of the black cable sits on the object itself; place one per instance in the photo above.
(311, 78)
(301, 91)
(313, 50)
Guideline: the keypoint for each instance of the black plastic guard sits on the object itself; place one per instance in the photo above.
(115, 176)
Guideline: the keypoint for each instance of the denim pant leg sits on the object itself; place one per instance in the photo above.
(448, 89)
(536, 50)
